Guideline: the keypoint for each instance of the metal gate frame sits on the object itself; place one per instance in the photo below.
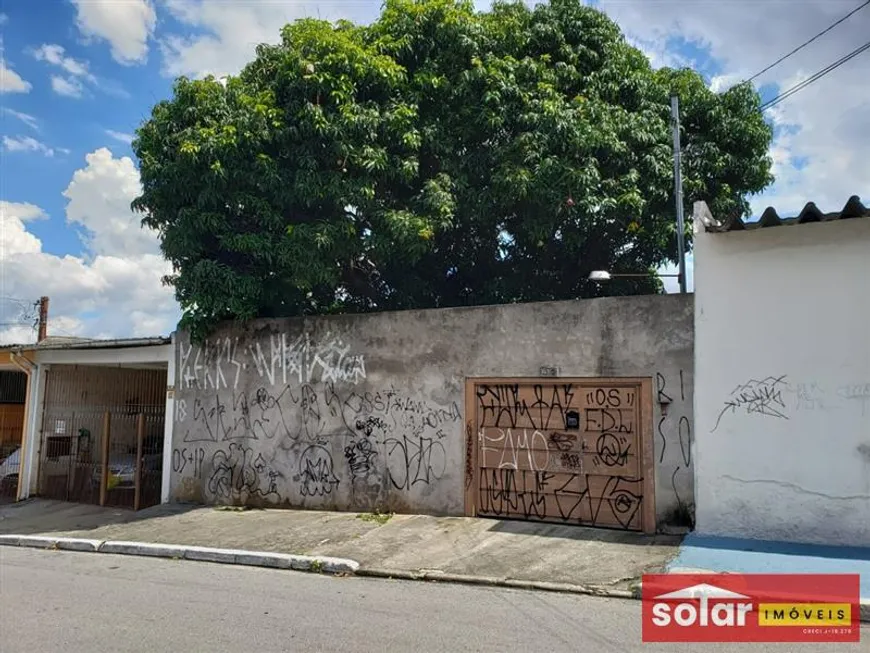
(87, 468)
(644, 387)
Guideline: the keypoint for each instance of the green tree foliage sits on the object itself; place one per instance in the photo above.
(437, 157)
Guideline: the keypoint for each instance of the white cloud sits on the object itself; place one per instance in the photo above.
(127, 26)
(56, 56)
(70, 84)
(67, 86)
(228, 32)
(99, 200)
(4, 19)
(114, 288)
(14, 237)
(120, 136)
(10, 81)
(26, 118)
(816, 152)
(27, 144)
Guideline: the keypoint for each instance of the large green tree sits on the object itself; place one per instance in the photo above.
(437, 157)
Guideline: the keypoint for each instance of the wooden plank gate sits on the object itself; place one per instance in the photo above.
(575, 451)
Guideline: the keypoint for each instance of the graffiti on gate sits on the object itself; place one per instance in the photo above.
(568, 498)
(469, 454)
(568, 453)
(503, 406)
(516, 448)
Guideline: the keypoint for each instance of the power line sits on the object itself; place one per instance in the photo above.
(824, 71)
(27, 310)
(17, 300)
(806, 43)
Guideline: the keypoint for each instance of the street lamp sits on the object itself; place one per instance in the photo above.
(604, 275)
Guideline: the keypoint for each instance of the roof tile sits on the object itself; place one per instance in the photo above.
(810, 213)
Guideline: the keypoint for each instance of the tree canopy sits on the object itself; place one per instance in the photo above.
(436, 157)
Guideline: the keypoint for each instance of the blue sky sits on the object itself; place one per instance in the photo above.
(78, 76)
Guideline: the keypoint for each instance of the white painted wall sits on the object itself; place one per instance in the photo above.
(149, 354)
(789, 307)
(32, 426)
(169, 425)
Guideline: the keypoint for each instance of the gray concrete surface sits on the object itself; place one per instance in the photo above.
(459, 545)
(80, 603)
(358, 412)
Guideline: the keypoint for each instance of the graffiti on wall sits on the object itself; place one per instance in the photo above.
(674, 420)
(756, 397)
(238, 470)
(222, 362)
(301, 429)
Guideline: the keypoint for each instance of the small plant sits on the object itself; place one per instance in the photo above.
(377, 516)
(316, 566)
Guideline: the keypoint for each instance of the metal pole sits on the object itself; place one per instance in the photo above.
(104, 475)
(678, 192)
(140, 437)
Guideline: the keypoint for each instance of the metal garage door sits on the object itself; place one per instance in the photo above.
(571, 451)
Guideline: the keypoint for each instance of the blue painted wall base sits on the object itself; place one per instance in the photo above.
(721, 554)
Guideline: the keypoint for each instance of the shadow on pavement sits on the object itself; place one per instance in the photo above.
(41, 516)
(604, 535)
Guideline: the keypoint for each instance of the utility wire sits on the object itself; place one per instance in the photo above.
(28, 311)
(809, 80)
(806, 43)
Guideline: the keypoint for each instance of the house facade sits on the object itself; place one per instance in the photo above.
(96, 426)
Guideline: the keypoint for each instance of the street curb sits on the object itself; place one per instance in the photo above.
(864, 609)
(48, 542)
(318, 564)
(566, 588)
(489, 581)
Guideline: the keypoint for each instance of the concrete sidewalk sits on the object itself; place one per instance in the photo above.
(596, 559)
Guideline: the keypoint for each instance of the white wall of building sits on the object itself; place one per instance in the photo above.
(782, 382)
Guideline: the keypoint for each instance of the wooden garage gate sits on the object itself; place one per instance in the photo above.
(575, 451)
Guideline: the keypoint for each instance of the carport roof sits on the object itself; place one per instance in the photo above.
(770, 218)
(64, 342)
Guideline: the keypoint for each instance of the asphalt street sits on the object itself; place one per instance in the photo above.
(81, 602)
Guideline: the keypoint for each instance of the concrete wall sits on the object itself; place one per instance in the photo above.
(782, 383)
(268, 413)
